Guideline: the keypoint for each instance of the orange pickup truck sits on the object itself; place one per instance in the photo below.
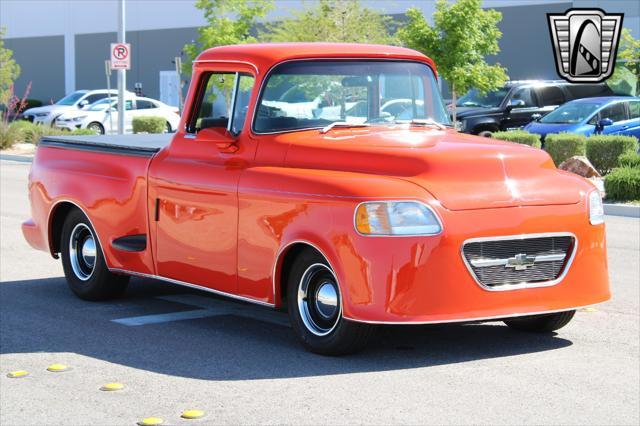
(324, 179)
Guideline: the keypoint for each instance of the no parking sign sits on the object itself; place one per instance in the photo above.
(120, 56)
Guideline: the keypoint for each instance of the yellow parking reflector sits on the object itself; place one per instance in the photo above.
(112, 387)
(589, 310)
(57, 368)
(192, 414)
(151, 421)
(18, 374)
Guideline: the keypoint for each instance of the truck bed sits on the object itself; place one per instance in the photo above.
(144, 145)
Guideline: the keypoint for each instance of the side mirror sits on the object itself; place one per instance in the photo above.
(516, 103)
(605, 122)
(225, 141)
(83, 104)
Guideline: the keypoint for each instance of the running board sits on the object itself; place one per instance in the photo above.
(132, 243)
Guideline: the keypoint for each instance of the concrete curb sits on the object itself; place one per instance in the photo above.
(20, 158)
(622, 210)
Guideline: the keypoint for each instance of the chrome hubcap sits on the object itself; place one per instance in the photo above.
(326, 300)
(82, 251)
(319, 299)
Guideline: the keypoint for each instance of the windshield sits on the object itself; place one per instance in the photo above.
(102, 104)
(70, 99)
(304, 94)
(574, 112)
(473, 98)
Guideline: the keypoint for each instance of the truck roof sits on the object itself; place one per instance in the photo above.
(264, 56)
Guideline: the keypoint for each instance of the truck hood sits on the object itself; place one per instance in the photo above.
(461, 171)
(468, 112)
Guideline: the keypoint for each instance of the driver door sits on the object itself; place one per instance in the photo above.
(193, 186)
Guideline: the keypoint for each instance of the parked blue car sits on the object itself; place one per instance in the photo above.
(611, 115)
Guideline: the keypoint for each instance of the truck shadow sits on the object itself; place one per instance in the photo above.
(43, 316)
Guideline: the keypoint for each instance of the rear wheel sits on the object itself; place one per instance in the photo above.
(314, 302)
(485, 133)
(96, 127)
(541, 323)
(84, 266)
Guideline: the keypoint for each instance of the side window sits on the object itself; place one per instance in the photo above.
(245, 85)
(215, 107)
(551, 96)
(524, 94)
(93, 98)
(634, 110)
(128, 105)
(615, 112)
(142, 104)
(577, 91)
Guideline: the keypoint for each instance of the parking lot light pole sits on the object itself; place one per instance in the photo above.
(122, 74)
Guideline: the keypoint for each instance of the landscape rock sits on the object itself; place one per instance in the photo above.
(581, 166)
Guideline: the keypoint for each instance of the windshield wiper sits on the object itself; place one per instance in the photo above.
(341, 124)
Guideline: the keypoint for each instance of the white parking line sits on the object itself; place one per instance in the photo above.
(209, 307)
(159, 318)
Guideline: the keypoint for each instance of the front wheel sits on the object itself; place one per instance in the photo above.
(314, 302)
(84, 266)
(541, 323)
(96, 127)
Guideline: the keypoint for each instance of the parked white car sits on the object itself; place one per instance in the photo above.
(77, 100)
(102, 116)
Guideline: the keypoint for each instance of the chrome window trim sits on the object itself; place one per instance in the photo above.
(232, 107)
(337, 59)
(192, 285)
(409, 200)
(509, 287)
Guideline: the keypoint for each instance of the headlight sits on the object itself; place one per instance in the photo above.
(596, 209)
(460, 125)
(41, 114)
(396, 218)
(82, 117)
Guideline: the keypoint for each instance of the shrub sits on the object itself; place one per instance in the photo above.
(87, 132)
(8, 135)
(27, 132)
(519, 136)
(149, 125)
(623, 184)
(629, 159)
(32, 103)
(604, 150)
(562, 146)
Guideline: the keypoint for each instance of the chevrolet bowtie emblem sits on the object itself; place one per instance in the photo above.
(585, 43)
(520, 262)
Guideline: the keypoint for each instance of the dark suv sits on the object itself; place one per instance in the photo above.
(517, 103)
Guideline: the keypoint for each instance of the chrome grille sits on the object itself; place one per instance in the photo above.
(515, 262)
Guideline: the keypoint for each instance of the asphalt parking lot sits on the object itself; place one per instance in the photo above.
(176, 349)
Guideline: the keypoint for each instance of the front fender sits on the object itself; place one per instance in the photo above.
(279, 207)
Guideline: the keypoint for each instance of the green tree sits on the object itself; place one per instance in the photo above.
(461, 36)
(345, 21)
(9, 71)
(626, 76)
(228, 22)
